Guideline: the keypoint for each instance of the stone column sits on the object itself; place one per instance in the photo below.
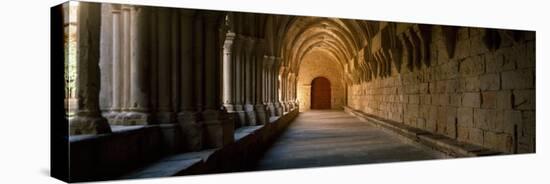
(259, 106)
(290, 92)
(153, 57)
(228, 100)
(191, 129)
(293, 84)
(105, 60)
(217, 129)
(124, 66)
(175, 59)
(276, 87)
(165, 114)
(117, 63)
(88, 119)
(269, 86)
(165, 59)
(139, 74)
(125, 96)
(198, 46)
(283, 90)
(249, 81)
(229, 86)
(239, 73)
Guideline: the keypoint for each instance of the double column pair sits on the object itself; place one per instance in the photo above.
(129, 65)
(188, 78)
(271, 70)
(288, 90)
(243, 77)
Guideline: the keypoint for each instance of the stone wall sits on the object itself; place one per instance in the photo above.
(483, 93)
(319, 64)
(133, 152)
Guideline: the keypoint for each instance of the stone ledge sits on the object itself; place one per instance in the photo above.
(250, 142)
(437, 142)
(171, 165)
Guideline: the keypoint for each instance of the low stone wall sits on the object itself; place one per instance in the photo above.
(101, 157)
(109, 156)
(242, 154)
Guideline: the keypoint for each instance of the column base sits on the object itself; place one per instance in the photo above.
(88, 125)
(284, 108)
(261, 114)
(232, 114)
(111, 116)
(229, 107)
(171, 138)
(278, 109)
(137, 118)
(165, 117)
(119, 119)
(241, 116)
(130, 118)
(218, 131)
(250, 115)
(288, 106)
(296, 105)
(270, 109)
(191, 131)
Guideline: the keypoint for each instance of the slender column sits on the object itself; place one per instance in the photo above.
(187, 117)
(283, 90)
(269, 86)
(239, 73)
(293, 86)
(249, 80)
(228, 100)
(139, 57)
(287, 91)
(211, 65)
(175, 58)
(259, 106)
(105, 60)
(296, 103)
(277, 86)
(198, 45)
(293, 95)
(229, 86)
(218, 130)
(165, 114)
(125, 58)
(124, 67)
(153, 57)
(290, 92)
(88, 119)
(117, 62)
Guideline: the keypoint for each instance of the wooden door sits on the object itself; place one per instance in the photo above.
(320, 93)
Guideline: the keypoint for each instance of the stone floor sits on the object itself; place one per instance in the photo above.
(331, 138)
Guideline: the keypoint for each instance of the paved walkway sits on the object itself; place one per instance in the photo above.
(331, 138)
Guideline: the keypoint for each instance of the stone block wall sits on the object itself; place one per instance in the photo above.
(479, 94)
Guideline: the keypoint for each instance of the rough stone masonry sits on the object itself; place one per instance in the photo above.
(480, 88)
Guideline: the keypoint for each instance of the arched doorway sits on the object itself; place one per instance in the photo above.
(320, 93)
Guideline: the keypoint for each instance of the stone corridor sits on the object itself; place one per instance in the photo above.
(198, 91)
(331, 138)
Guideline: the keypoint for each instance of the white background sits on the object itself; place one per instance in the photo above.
(25, 91)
